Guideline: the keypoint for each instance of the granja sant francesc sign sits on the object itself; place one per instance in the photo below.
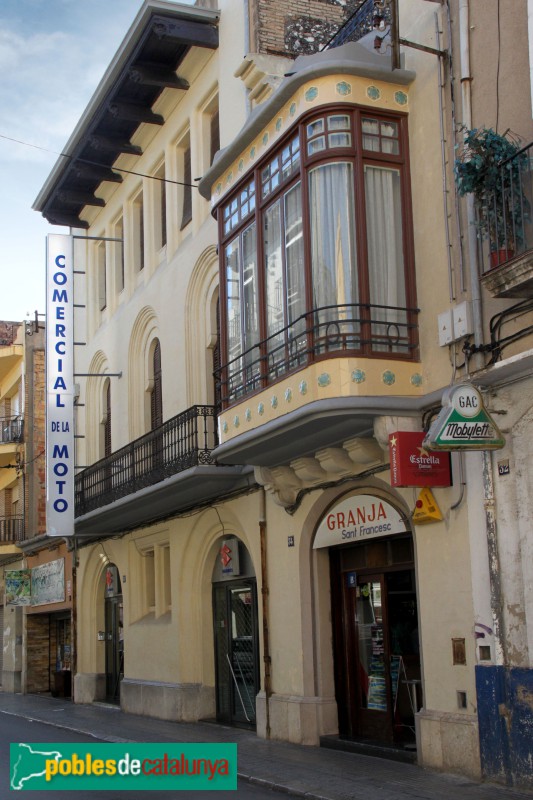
(357, 518)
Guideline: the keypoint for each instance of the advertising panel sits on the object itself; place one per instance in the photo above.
(59, 386)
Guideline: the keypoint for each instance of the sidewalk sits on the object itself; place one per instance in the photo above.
(309, 772)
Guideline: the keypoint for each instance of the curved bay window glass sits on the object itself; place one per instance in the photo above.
(320, 263)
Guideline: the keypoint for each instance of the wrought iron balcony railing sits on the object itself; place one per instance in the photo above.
(365, 19)
(182, 442)
(505, 221)
(11, 430)
(350, 329)
(11, 529)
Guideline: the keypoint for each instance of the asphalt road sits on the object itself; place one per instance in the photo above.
(17, 729)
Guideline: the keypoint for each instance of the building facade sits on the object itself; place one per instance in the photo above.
(255, 344)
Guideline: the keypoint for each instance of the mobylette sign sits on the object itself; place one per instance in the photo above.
(464, 423)
(59, 387)
(412, 464)
(356, 519)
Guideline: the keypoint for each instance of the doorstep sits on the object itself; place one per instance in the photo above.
(394, 752)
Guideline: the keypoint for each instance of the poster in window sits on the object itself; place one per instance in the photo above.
(48, 583)
(18, 587)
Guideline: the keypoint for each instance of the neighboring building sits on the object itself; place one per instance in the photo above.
(11, 490)
(245, 551)
(36, 613)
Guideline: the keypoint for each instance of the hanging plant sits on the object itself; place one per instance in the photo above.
(488, 168)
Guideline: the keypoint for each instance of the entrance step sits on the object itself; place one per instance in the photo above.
(394, 752)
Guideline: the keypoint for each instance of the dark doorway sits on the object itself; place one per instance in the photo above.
(377, 660)
(236, 651)
(114, 634)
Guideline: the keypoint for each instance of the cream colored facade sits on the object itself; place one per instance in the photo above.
(290, 450)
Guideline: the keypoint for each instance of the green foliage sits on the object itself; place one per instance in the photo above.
(487, 168)
(477, 168)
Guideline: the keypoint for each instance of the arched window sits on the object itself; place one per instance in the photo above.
(156, 397)
(107, 419)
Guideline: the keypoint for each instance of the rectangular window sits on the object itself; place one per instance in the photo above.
(385, 257)
(161, 207)
(118, 250)
(149, 579)
(284, 278)
(334, 255)
(242, 307)
(186, 207)
(101, 275)
(214, 134)
(138, 232)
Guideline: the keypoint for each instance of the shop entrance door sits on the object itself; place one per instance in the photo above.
(236, 651)
(114, 647)
(377, 660)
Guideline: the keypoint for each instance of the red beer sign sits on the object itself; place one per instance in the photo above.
(413, 465)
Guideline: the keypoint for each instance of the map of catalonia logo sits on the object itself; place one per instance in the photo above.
(166, 766)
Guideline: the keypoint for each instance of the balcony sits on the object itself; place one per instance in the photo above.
(506, 216)
(11, 430)
(363, 21)
(166, 471)
(324, 333)
(319, 382)
(11, 530)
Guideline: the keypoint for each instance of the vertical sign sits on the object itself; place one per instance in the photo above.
(59, 386)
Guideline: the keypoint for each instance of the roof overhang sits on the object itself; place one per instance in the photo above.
(146, 63)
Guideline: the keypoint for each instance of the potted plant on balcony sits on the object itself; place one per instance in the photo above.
(486, 168)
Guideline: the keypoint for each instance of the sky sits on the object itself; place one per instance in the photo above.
(53, 54)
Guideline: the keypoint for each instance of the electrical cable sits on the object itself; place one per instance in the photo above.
(99, 163)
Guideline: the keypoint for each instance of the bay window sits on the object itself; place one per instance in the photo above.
(320, 262)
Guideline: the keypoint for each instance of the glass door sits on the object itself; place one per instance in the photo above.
(114, 647)
(374, 668)
(236, 646)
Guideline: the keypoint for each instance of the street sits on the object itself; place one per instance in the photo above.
(17, 729)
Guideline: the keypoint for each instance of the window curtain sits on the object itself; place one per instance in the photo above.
(385, 255)
(333, 251)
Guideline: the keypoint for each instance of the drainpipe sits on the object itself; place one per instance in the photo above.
(264, 603)
(496, 604)
(466, 97)
(488, 479)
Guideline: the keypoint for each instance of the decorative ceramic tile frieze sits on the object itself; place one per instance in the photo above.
(311, 94)
(388, 377)
(358, 376)
(224, 427)
(373, 93)
(288, 395)
(401, 98)
(261, 409)
(302, 388)
(274, 401)
(343, 88)
(236, 421)
(416, 379)
(324, 379)
(279, 123)
(248, 415)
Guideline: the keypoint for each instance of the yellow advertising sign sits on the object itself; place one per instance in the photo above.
(426, 509)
